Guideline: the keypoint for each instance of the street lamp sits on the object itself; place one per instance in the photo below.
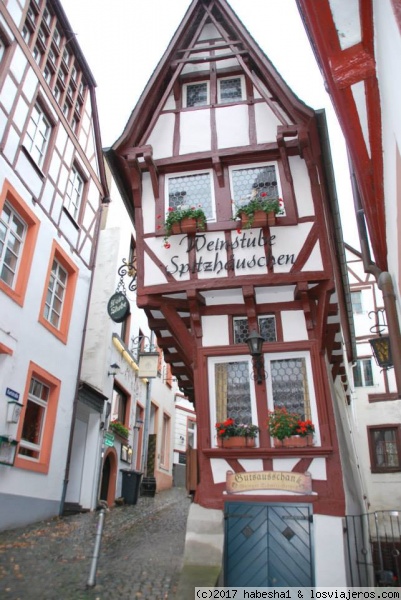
(381, 344)
(255, 343)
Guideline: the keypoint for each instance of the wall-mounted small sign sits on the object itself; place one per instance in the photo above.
(118, 307)
(12, 394)
(108, 439)
(287, 481)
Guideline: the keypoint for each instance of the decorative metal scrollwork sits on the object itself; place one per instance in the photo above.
(127, 268)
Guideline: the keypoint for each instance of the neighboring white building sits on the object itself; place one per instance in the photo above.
(51, 189)
(184, 439)
(145, 407)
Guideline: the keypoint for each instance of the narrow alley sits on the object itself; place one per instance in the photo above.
(140, 557)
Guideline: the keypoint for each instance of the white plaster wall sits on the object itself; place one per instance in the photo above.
(330, 570)
(388, 61)
(215, 331)
(266, 124)
(162, 135)
(195, 133)
(232, 124)
(294, 326)
(302, 186)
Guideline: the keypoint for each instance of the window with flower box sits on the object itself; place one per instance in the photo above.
(191, 190)
(259, 180)
(290, 384)
(230, 390)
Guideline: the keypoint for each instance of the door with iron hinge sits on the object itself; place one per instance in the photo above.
(268, 545)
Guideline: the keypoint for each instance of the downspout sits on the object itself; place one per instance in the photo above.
(384, 283)
(105, 202)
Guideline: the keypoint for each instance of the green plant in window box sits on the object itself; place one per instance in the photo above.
(119, 428)
(174, 220)
(260, 202)
(281, 424)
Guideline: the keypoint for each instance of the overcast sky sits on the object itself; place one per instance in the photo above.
(124, 40)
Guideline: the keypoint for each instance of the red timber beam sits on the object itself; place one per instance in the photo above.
(341, 69)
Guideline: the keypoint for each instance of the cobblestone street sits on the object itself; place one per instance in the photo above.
(140, 557)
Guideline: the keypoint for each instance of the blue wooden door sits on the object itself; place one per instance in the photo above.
(268, 545)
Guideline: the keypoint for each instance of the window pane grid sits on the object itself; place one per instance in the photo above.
(247, 182)
(191, 190)
(233, 396)
(34, 419)
(12, 234)
(290, 386)
(386, 454)
(230, 89)
(55, 294)
(37, 135)
(267, 328)
(74, 193)
(196, 94)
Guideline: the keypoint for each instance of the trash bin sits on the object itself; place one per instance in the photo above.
(131, 485)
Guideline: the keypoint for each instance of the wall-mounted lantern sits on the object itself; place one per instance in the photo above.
(13, 411)
(255, 343)
(148, 358)
(381, 347)
(8, 450)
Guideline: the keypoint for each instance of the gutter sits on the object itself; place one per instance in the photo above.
(384, 282)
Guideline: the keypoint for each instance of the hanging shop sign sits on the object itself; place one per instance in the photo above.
(118, 307)
(287, 481)
(215, 256)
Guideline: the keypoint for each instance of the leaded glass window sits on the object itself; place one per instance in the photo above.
(230, 89)
(191, 190)
(267, 328)
(248, 182)
(290, 385)
(197, 94)
(233, 396)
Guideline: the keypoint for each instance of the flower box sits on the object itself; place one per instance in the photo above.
(235, 441)
(260, 219)
(295, 441)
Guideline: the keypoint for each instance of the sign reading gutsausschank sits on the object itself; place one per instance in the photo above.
(288, 481)
(118, 307)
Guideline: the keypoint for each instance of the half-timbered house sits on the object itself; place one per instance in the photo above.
(215, 127)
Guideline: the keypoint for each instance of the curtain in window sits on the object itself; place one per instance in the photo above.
(220, 374)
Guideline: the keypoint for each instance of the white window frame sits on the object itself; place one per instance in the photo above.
(37, 141)
(44, 404)
(57, 266)
(360, 363)
(243, 96)
(357, 304)
(268, 357)
(73, 199)
(190, 174)
(243, 201)
(185, 94)
(21, 239)
(212, 361)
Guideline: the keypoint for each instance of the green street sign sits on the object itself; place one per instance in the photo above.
(108, 439)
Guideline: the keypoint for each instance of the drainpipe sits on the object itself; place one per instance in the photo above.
(384, 283)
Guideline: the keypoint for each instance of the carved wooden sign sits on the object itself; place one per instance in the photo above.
(287, 481)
